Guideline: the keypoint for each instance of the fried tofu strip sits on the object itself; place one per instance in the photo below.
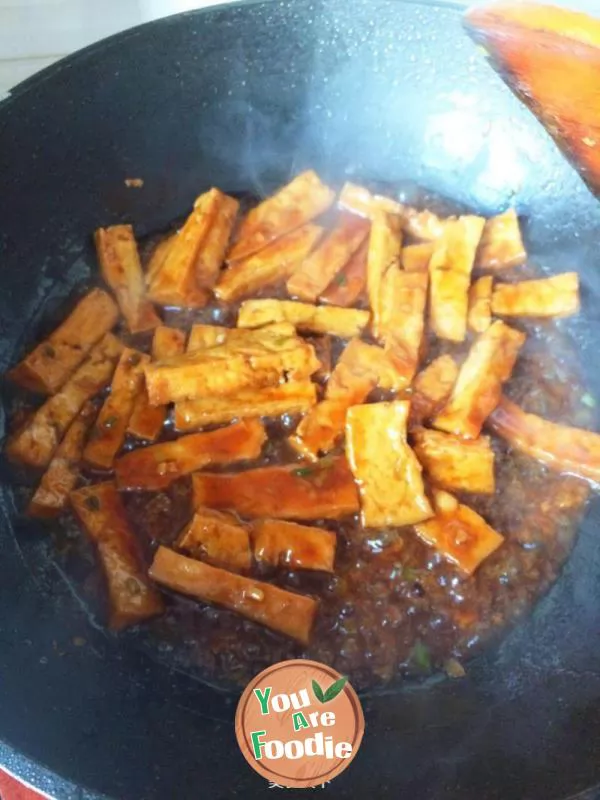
(385, 248)
(547, 297)
(274, 263)
(294, 397)
(292, 207)
(324, 490)
(416, 257)
(36, 442)
(316, 271)
(109, 431)
(478, 387)
(560, 447)
(479, 317)
(458, 533)
(155, 467)
(204, 337)
(231, 367)
(501, 244)
(450, 273)
(282, 611)
(121, 269)
(280, 543)
(52, 495)
(159, 254)
(343, 322)
(385, 468)
(348, 286)
(432, 388)
(218, 538)
(403, 302)
(211, 254)
(175, 282)
(52, 362)
(456, 464)
(132, 598)
(146, 421)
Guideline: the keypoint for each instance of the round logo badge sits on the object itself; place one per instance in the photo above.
(299, 724)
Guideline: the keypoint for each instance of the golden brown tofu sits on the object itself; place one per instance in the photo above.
(203, 337)
(121, 269)
(343, 322)
(294, 397)
(456, 464)
(478, 387)
(501, 244)
(458, 533)
(416, 257)
(479, 317)
(155, 467)
(450, 276)
(282, 611)
(547, 297)
(211, 255)
(159, 254)
(146, 421)
(385, 468)
(174, 284)
(432, 388)
(385, 248)
(36, 442)
(52, 495)
(424, 224)
(287, 544)
(560, 447)
(273, 264)
(403, 301)
(132, 599)
(359, 200)
(303, 199)
(325, 490)
(314, 274)
(52, 362)
(108, 434)
(349, 285)
(231, 367)
(218, 538)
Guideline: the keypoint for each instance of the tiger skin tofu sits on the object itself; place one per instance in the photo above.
(432, 388)
(349, 285)
(342, 322)
(501, 245)
(218, 538)
(479, 317)
(281, 543)
(385, 248)
(456, 464)
(556, 297)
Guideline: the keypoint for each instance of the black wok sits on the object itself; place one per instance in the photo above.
(242, 97)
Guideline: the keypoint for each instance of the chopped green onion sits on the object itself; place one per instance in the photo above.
(420, 656)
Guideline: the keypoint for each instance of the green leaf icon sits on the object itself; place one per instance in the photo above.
(335, 689)
(318, 692)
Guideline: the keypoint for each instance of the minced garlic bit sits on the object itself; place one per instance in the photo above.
(134, 183)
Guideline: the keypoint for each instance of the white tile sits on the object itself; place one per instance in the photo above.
(13, 72)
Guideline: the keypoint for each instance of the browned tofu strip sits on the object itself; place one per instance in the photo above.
(403, 301)
(385, 468)
(424, 224)
(174, 284)
(385, 248)
(211, 254)
(456, 464)
(359, 200)
(324, 490)
(450, 274)
(155, 467)
(146, 421)
(159, 254)
(293, 206)
(501, 244)
(37, 441)
(478, 387)
(203, 337)
(217, 537)
(432, 388)
(547, 297)
(416, 257)
(131, 597)
(294, 397)
(49, 366)
(459, 534)
(280, 543)
(121, 269)
(560, 447)
(271, 265)
(109, 431)
(282, 611)
(314, 274)
(52, 495)
(479, 317)
(231, 367)
(348, 286)
(343, 322)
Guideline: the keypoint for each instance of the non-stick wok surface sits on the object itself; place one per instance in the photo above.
(242, 98)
